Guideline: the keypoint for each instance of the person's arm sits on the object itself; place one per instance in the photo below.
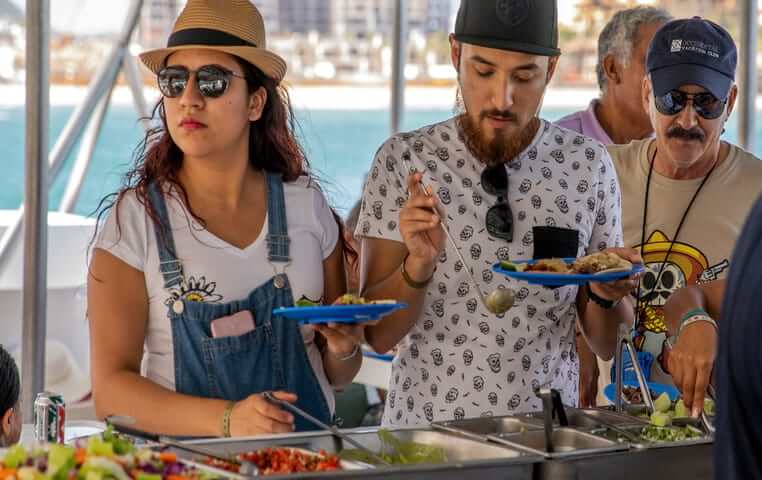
(691, 359)
(588, 372)
(706, 296)
(341, 340)
(381, 266)
(117, 308)
(600, 326)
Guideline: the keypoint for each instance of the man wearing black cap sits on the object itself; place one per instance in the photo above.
(10, 393)
(685, 193)
(507, 185)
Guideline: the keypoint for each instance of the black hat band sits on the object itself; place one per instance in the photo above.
(206, 36)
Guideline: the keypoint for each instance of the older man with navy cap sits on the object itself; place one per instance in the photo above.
(685, 193)
(507, 185)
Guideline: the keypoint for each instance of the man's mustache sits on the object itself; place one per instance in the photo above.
(679, 132)
(501, 114)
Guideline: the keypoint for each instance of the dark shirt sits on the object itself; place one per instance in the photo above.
(739, 367)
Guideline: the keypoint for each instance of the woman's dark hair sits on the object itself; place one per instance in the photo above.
(10, 383)
(273, 147)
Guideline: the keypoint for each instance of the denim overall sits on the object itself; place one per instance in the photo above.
(270, 357)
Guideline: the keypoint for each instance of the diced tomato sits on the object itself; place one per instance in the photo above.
(167, 457)
(7, 473)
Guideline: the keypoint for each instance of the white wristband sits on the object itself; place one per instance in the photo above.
(696, 319)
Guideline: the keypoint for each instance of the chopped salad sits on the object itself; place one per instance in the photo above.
(273, 461)
(105, 457)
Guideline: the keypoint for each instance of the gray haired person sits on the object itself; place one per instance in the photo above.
(617, 117)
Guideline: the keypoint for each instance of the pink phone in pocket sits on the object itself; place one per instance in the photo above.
(234, 325)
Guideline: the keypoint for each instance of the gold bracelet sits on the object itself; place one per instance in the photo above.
(226, 419)
(412, 283)
(355, 351)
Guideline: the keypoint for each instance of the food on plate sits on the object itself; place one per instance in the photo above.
(346, 299)
(633, 395)
(273, 461)
(589, 264)
(599, 262)
(306, 302)
(398, 452)
(550, 265)
(106, 457)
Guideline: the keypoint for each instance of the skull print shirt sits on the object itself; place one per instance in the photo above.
(459, 360)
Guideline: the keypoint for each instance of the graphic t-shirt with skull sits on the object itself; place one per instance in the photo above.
(460, 361)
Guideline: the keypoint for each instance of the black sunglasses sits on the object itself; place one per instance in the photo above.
(211, 80)
(499, 218)
(706, 105)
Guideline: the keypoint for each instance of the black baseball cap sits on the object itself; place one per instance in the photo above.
(692, 51)
(528, 26)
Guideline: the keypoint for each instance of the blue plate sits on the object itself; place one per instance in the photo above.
(658, 388)
(339, 313)
(558, 279)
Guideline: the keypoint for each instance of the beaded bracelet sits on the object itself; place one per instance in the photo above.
(695, 316)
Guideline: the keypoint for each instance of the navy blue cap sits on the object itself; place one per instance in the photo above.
(692, 51)
(528, 26)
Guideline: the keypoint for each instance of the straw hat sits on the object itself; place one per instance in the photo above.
(231, 26)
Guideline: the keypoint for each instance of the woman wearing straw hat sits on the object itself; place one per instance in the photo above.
(217, 224)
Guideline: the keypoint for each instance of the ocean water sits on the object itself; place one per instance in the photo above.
(339, 144)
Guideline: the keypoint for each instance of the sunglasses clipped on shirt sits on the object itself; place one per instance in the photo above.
(499, 218)
(705, 104)
(211, 80)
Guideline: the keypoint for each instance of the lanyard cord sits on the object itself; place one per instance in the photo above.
(677, 233)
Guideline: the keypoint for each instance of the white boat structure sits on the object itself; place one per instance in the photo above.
(43, 255)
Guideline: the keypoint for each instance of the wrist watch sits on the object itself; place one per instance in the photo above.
(601, 302)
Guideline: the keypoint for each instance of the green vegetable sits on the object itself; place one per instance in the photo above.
(709, 406)
(15, 456)
(148, 476)
(60, 461)
(661, 419)
(508, 266)
(680, 409)
(99, 448)
(662, 403)
(303, 302)
(653, 433)
(398, 452)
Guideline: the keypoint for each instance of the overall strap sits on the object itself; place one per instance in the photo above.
(277, 236)
(170, 267)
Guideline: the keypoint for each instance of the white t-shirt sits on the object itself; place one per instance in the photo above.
(459, 360)
(217, 272)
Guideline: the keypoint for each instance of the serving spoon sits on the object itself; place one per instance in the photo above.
(498, 301)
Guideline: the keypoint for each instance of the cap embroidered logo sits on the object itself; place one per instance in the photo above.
(512, 12)
(677, 45)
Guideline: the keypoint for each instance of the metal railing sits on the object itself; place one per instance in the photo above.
(42, 170)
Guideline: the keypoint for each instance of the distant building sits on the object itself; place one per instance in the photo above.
(305, 16)
(156, 21)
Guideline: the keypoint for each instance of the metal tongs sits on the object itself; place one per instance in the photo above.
(331, 428)
(124, 424)
(625, 341)
(551, 407)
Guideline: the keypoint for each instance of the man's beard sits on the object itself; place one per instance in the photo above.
(500, 149)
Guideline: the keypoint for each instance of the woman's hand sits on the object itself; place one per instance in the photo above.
(341, 338)
(254, 415)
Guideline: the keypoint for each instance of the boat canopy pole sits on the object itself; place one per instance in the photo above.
(35, 203)
(399, 58)
(747, 98)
